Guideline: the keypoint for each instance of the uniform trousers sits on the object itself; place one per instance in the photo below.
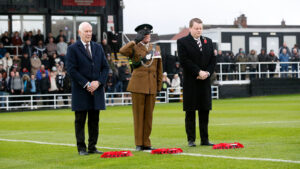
(142, 107)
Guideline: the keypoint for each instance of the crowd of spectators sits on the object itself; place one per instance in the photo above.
(285, 55)
(36, 67)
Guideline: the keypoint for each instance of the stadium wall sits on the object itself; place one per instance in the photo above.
(261, 87)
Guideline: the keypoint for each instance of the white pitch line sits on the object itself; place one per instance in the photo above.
(262, 122)
(26, 132)
(187, 154)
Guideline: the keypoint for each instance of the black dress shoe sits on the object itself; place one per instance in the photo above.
(149, 148)
(139, 148)
(191, 144)
(207, 143)
(83, 153)
(95, 152)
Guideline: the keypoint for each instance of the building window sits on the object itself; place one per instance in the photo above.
(3, 23)
(22, 23)
(70, 24)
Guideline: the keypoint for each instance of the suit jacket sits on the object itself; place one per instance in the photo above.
(145, 80)
(196, 93)
(83, 69)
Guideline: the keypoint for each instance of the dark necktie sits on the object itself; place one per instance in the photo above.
(88, 50)
(199, 44)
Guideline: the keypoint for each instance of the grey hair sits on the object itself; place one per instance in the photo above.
(82, 25)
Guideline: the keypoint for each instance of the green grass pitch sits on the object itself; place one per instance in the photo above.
(269, 128)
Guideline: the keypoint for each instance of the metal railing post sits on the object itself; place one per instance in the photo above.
(221, 72)
(54, 99)
(239, 71)
(259, 70)
(31, 102)
(7, 103)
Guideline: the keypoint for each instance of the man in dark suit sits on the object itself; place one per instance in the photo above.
(196, 55)
(88, 68)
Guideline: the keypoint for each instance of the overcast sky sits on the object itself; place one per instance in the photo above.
(167, 16)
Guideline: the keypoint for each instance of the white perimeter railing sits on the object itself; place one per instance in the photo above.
(54, 101)
(234, 71)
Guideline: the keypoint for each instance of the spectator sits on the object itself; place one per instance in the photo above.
(35, 63)
(295, 58)
(47, 40)
(45, 61)
(40, 72)
(33, 83)
(17, 62)
(28, 48)
(40, 49)
(215, 52)
(6, 40)
(7, 62)
(241, 57)
(296, 47)
(284, 57)
(121, 71)
(220, 59)
(126, 79)
(113, 38)
(62, 47)
(60, 82)
(165, 82)
(2, 71)
(51, 47)
(38, 37)
(176, 83)
(2, 90)
(29, 37)
(232, 67)
(54, 60)
(112, 65)
(61, 34)
(2, 50)
(274, 59)
(26, 84)
(44, 86)
(16, 87)
(67, 86)
(178, 70)
(106, 47)
(17, 41)
(26, 89)
(25, 33)
(263, 57)
(110, 86)
(253, 67)
(9, 80)
(72, 40)
(25, 64)
(53, 85)
(284, 46)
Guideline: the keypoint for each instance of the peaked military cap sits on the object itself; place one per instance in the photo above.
(147, 27)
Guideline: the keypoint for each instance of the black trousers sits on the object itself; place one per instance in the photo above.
(93, 129)
(190, 125)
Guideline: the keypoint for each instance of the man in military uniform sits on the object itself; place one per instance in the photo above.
(145, 82)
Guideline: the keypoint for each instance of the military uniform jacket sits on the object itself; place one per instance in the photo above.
(145, 80)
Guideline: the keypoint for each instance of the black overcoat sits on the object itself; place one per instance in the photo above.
(83, 69)
(196, 93)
